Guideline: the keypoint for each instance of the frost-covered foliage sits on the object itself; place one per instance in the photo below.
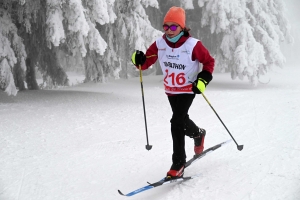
(80, 18)
(7, 79)
(12, 51)
(100, 35)
(251, 33)
(187, 4)
(87, 27)
(131, 31)
(137, 25)
(55, 31)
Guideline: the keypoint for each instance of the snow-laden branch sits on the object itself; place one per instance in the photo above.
(141, 32)
(12, 51)
(6, 78)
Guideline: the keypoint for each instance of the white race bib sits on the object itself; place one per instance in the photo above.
(179, 70)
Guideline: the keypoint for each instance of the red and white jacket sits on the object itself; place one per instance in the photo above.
(179, 62)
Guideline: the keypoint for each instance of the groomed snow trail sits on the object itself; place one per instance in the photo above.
(87, 141)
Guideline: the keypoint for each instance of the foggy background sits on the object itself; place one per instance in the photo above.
(291, 51)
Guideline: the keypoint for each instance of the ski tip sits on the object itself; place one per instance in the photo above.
(230, 140)
(121, 193)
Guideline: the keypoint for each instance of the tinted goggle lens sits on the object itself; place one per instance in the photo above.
(172, 27)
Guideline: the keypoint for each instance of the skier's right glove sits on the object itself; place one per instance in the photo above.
(138, 58)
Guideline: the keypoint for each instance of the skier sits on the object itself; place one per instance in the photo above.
(179, 56)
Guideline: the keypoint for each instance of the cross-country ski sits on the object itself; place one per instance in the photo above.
(167, 180)
(164, 181)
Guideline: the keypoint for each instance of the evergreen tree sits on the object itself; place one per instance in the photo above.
(12, 50)
(83, 28)
(250, 32)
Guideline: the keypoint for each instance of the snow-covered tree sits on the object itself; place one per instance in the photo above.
(250, 31)
(73, 24)
(12, 51)
(135, 31)
(131, 29)
(99, 32)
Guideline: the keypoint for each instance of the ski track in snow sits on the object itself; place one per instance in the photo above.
(87, 141)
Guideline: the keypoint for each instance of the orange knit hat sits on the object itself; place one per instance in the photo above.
(177, 15)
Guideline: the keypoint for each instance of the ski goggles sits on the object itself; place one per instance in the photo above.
(172, 27)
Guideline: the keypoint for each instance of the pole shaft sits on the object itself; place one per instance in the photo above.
(142, 89)
(219, 118)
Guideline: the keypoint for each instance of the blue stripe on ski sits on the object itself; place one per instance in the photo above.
(148, 187)
(159, 183)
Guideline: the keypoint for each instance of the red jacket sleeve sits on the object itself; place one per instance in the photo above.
(151, 56)
(203, 56)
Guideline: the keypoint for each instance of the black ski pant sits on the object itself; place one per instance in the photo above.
(181, 125)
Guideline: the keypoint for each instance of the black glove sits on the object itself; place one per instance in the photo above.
(138, 58)
(203, 78)
(199, 86)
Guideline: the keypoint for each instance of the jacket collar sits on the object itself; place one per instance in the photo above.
(178, 43)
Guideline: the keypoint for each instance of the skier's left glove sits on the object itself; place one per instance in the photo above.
(199, 85)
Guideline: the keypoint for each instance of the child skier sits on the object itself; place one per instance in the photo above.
(179, 56)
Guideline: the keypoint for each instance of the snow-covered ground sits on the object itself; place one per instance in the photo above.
(85, 142)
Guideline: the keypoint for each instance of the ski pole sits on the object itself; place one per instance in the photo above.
(148, 147)
(239, 147)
